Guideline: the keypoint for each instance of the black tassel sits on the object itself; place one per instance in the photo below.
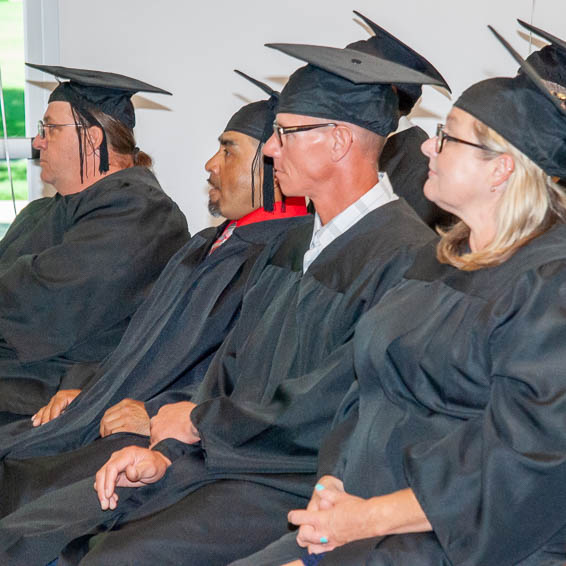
(268, 189)
(104, 164)
(84, 119)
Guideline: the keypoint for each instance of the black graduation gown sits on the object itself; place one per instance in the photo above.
(164, 354)
(73, 270)
(267, 399)
(407, 168)
(462, 397)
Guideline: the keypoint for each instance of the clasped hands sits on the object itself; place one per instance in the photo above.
(134, 466)
(332, 517)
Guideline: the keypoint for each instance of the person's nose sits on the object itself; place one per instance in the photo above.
(211, 166)
(39, 142)
(272, 147)
(428, 147)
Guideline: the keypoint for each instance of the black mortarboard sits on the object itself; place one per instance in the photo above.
(346, 85)
(387, 46)
(544, 34)
(550, 61)
(256, 120)
(87, 90)
(524, 112)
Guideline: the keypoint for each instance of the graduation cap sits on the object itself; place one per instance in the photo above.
(385, 45)
(347, 85)
(544, 34)
(87, 90)
(256, 120)
(524, 111)
(550, 61)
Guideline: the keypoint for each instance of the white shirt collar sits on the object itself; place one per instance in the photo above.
(377, 196)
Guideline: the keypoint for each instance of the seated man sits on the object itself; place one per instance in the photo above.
(242, 449)
(75, 267)
(174, 334)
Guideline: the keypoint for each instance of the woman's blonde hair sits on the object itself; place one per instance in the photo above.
(530, 204)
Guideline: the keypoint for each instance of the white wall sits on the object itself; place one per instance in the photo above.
(190, 48)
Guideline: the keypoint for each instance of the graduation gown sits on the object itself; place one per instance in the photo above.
(73, 270)
(461, 396)
(266, 401)
(407, 168)
(163, 355)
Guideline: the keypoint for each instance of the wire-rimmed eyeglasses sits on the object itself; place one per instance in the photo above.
(442, 136)
(280, 131)
(42, 126)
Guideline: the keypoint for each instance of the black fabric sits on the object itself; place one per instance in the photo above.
(251, 119)
(108, 92)
(311, 91)
(516, 109)
(463, 400)
(256, 120)
(73, 270)
(550, 63)
(408, 94)
(407, 169)
(271, 390)
(25, 480)
(348, 85)
(556, 41)
(228, 519)
(87, 91)
(169, 343)
(385, 45)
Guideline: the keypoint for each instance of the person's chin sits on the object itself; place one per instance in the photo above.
(289, 189)
(214, 208)
(428, 190)
(45, 177)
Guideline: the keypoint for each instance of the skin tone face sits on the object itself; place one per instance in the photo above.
(59, 151)
(463, 181)
(298, 162)
(230, 180)
(332, 165)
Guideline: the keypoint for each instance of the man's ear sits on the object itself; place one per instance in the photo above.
(95, 137)
(504, 165)
(342, 139)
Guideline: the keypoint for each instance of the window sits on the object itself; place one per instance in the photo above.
(12, 68)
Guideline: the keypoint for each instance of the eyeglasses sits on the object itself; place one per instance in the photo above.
(442, 136)
(41, 127)
(280, 131)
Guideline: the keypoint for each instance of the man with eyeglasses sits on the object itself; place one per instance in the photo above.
(242, 450)
(171, 339)
(75, 267)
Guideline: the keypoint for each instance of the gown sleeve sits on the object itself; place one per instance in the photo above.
(494, 489)
(282, 433)
(90, 283)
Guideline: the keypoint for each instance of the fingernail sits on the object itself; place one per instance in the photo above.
(319, 487)
(323, 540)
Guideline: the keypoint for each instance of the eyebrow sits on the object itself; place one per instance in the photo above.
(227, 142)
